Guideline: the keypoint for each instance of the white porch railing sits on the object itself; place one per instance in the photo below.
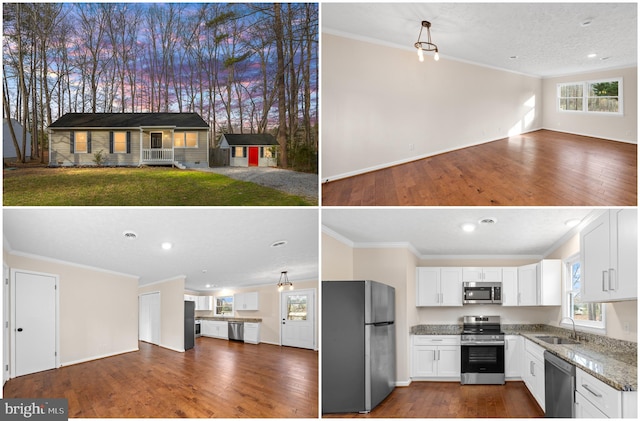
(157, 155)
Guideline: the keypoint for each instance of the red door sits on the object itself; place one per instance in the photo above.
(253, 156)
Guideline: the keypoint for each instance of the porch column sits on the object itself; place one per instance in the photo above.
(141, 145)
(173, 146)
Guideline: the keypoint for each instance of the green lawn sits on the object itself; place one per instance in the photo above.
(151, 186)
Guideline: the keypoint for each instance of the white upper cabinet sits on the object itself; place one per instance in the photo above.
(204, 302)
(608, 254)
(510, 286)
(438, 286)
(528, 285)
(246, 301)
(484, 274)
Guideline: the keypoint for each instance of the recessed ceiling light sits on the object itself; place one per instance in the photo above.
(130, 235)
(468, 227)
(592, 55)
(166, 246)
(279, 243)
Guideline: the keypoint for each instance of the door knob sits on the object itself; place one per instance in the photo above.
(19, 329)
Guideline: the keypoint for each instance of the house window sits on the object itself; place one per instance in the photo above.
(238, 152)
(191, 139)
(589, 315)
(266, 152)
(596, 96)
(81, 142)
(185, 139)
(224, 306)
(120, 142)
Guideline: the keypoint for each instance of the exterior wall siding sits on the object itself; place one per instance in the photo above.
(62, 156)
(244, 162)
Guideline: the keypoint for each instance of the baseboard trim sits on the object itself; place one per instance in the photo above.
(170, 348)
(591, 135)
(404, 383)
(97, 357)
(416, 158)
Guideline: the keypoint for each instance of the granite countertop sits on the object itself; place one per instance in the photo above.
(231, 319)
(612, 361)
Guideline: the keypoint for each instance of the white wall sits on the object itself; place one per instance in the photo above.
(98, 310)
(623, 128)
(377, 101)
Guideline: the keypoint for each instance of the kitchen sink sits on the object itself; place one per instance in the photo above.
(557, 340)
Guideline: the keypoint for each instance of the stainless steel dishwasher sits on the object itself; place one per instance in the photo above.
(236, 331)
(559, 387)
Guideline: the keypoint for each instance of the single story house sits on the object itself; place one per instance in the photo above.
(251, 150)
(130, 139)
(8, 149)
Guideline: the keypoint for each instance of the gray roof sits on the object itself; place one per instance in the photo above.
(250, 139)
(70, 120)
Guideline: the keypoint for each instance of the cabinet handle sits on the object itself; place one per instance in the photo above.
(438, 355)
(604, 287)
(519, 298)
(611, 278)
(531, 363)
(596, 394)
(506, 345)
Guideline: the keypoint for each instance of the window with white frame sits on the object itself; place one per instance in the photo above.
(595, 96)
(224, 306)
(185, 139)
(81, 142)
(589, 315)
(119, 142)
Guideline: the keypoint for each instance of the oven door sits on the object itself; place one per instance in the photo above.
(482, 363)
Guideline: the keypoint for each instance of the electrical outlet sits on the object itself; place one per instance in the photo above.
(626, 328)
(411, 146)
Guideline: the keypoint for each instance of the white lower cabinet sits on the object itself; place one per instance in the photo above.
(435, 356)
(533, 370)
(513, 356)
(595, 399)
(214, 329)
(252, 333)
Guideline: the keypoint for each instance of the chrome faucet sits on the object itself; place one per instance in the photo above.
(574, 336)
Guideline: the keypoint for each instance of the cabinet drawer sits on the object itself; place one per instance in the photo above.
(602, 396)
(436, 340)
(534, 348)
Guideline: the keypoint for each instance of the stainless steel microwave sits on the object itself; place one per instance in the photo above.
(481, 293)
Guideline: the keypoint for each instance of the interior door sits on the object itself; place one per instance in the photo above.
(298, 318)
(5, 323)
(149, 318)
(253, 156)
(35, 326)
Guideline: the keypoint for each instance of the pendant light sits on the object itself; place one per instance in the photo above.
(427, 45)
(284, 281)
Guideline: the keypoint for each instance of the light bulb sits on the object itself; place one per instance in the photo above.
(290, 287)
(436, 56)
(420, 55)
(280, 288)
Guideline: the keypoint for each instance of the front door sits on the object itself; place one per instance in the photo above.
(253, 156)
(156, 140)
(298, 318)
(34, 322)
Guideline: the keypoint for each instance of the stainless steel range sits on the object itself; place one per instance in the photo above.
(482, 342)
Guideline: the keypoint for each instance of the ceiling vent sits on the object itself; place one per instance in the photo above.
(279, 243)
(130, 235)
(488, 221)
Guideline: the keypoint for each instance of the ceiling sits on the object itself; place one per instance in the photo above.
(438, 232)
(223, 247)
(547, 39)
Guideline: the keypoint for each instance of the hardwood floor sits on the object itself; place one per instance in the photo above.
(542, 168)
(453, 400)
(216, 379)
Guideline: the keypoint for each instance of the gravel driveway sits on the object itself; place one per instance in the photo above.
(292, 182)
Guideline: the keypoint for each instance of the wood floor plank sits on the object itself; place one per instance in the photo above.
(216, 379)
(453, 400)
(542, 168)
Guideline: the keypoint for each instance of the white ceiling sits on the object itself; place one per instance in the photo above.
(232, 245)
(549, 39)
(437, 232)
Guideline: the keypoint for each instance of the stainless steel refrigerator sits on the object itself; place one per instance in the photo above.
(189, 324)
(358, 345)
